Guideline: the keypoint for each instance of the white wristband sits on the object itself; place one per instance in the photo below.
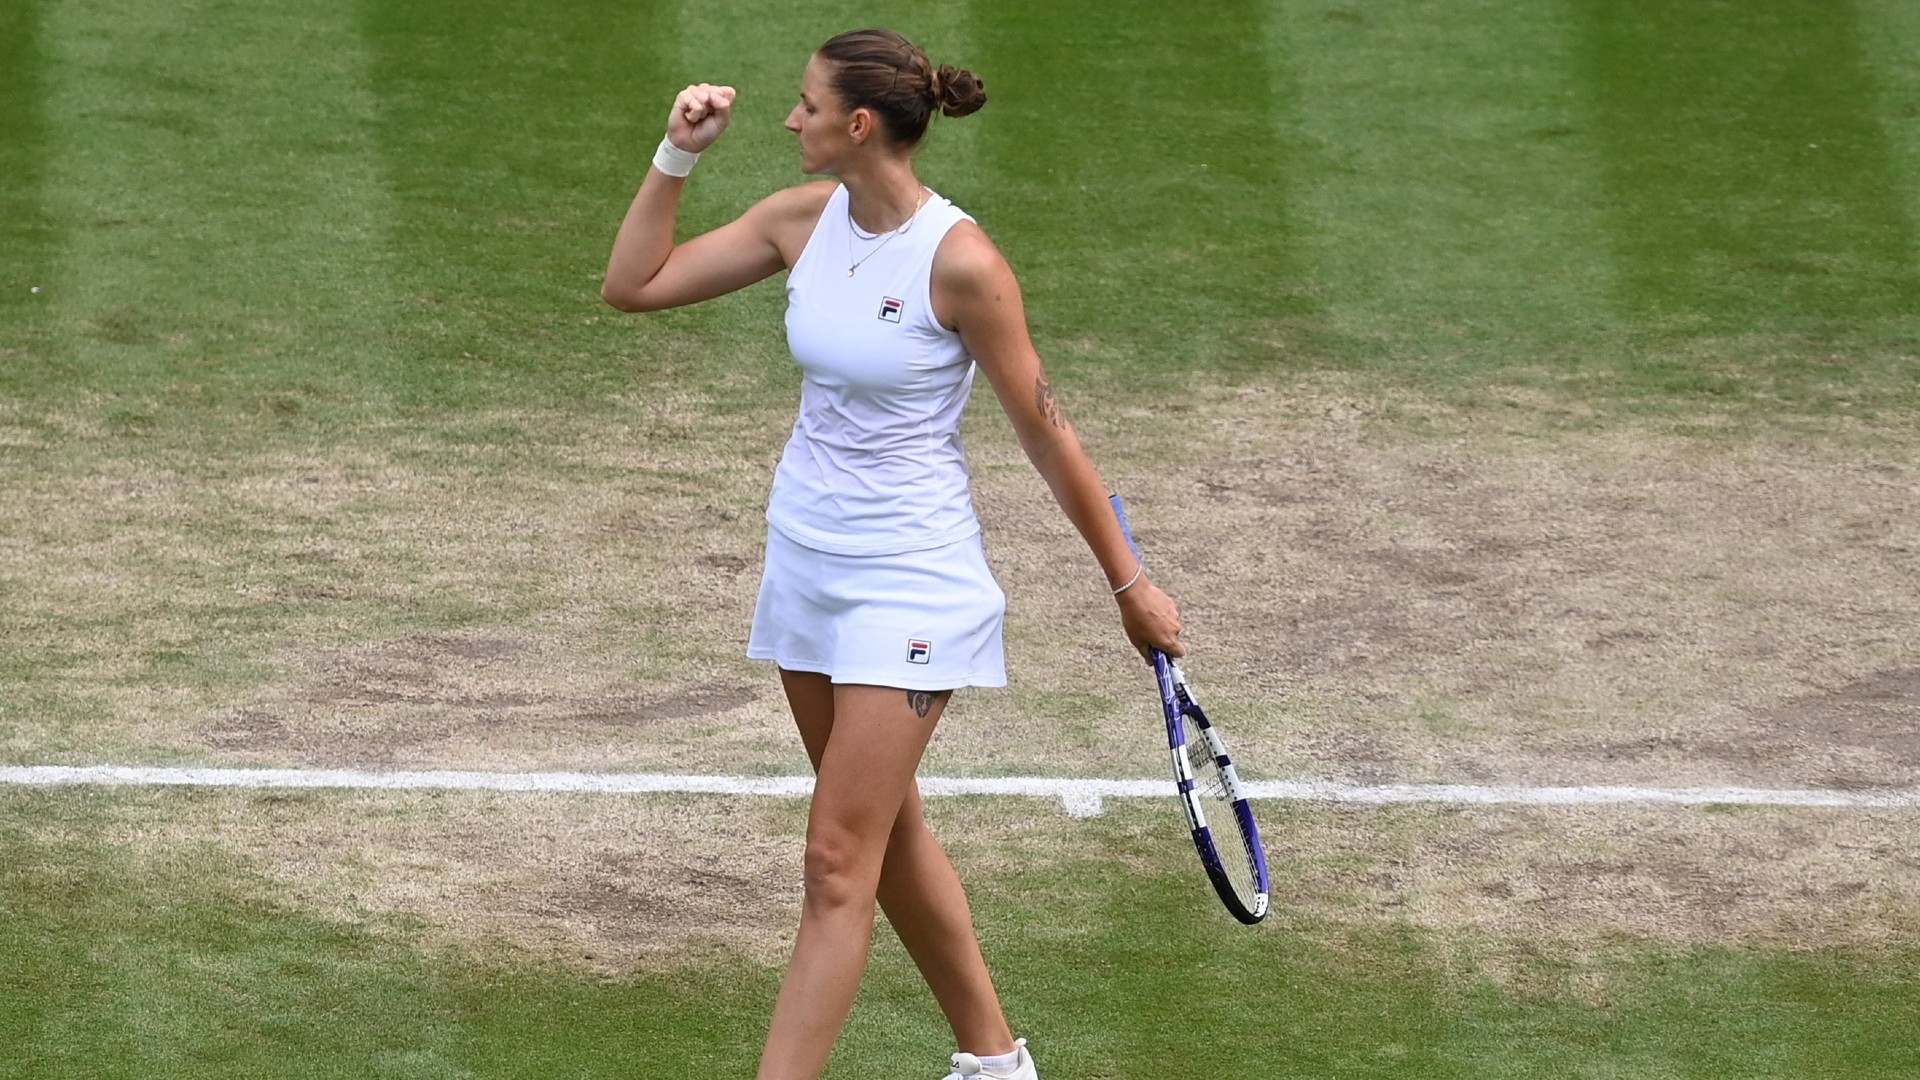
(1136, 577)
(673, 161)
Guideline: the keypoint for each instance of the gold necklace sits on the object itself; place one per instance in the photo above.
(854, 264)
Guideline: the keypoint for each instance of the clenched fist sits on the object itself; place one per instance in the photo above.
(700, 113)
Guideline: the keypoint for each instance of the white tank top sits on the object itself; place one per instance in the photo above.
(874, 465)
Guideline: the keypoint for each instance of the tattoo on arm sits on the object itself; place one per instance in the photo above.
(922, 701)
(1048, 405)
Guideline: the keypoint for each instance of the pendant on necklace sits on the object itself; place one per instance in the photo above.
(851, 269)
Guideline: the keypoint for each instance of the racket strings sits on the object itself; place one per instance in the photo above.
(1208, 780)
(1223, 824)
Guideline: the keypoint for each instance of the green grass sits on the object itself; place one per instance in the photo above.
(23, 152)
(186, 963)
(1748, 188)
(1616, 200)
(1185, 182)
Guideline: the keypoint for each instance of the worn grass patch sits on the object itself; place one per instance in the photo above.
(162, 934)
(1478, 598)
(625, 885)
(1483, 601)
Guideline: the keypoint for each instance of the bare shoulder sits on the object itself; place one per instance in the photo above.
(788, 216)
(972, 284)
(801, 200)
(967, 259)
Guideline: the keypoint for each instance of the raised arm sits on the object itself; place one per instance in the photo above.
(974, 292)
(647, 271)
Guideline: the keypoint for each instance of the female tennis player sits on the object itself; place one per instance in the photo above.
(876, 601)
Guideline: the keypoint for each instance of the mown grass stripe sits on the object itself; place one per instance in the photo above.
(1889, 33)
(222, 214)
(1445, 187)
(26, 230)
(1080, 796)
(30, 234)
(1144, 201)
(511, 139)
(1749, 181)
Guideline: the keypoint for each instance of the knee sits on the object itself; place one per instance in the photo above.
(838, 871)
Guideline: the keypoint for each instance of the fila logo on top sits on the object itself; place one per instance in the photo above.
(890, 309)
(919, 651)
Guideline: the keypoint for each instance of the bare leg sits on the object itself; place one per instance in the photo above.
(863, 776)
(920, 892)
(928, 909)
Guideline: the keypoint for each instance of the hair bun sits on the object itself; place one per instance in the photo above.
(958, 91)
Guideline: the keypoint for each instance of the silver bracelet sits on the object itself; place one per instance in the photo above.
(1138, 567)
(673, 161)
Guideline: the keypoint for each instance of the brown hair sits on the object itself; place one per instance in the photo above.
(883, 71)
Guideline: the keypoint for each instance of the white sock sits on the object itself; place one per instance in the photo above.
(1002, 1064)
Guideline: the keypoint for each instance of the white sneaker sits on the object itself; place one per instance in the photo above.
(966, 1066)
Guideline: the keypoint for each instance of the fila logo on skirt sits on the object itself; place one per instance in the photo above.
(918, 651)
(890, 309)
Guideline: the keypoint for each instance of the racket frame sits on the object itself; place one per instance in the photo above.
(1178, 705)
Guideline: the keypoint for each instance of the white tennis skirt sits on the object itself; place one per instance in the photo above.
(919, 620)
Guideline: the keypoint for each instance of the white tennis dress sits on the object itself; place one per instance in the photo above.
(874, 570)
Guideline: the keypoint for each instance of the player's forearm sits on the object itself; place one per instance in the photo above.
(1076, 485)
(645, 240)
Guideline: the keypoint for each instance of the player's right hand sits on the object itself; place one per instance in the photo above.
(1151, 620)
(700, 113)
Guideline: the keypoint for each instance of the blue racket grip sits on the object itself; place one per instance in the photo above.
(1125, 530)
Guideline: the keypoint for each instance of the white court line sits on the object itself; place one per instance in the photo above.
(1080, 797)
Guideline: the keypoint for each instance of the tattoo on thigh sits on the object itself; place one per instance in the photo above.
(921, 701)
(1047, 403)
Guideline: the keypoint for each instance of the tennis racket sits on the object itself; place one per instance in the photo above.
(1216, 805)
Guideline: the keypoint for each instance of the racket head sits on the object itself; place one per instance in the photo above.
(1218, 811)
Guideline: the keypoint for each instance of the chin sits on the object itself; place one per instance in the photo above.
(812, 165)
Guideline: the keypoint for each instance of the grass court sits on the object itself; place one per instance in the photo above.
(1509, 393)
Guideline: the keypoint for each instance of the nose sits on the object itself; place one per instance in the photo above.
(793, 120)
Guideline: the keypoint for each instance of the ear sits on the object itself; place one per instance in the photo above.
(861, 124)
